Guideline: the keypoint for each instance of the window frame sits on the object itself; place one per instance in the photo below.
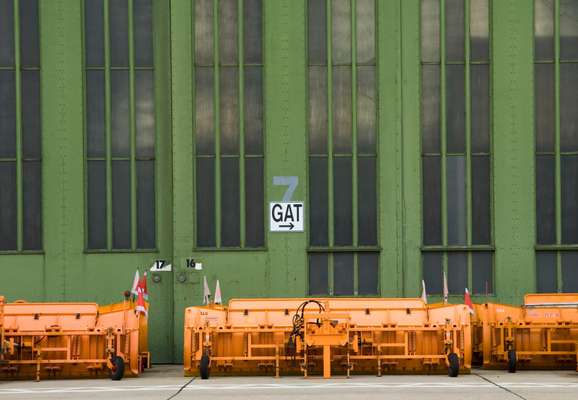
(330, 154)
(20, 159)
(131, 68)
(558, 248)
(442, 62)
(242, 155)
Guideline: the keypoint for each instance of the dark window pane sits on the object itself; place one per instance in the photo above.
(146, 229)
(479, 30)
(366, 110)
(94, 32)
(544, 106)
(480, 87)
(430, 108)
(342, 110)
(228, 21)
(96, 200)
(254, 197)
(95, 113)
(341, 31)
(254, 110)
(31, 114)
(118, 26)
(29, 46)
(205, 189)
(456, 109)
(546, 275)
(6, 33)
(204, 32)
(229, 110)
(569, 199)
(570, 272)
(343, 274)
(342, 200)
(317, 18)
(367, 273)
(204, 112)
(32, 210)
(457, 272)
(367, 197)
(432, 203)
(7, 114)
(318, 110)
(318, 274)
(230, 232)
(481, 216)
(430, 30)
(545, 200)
(145, 114)
(318, 201)
(544, 29)
(143, 33)
(121, 209)
(456, 200)
(120, 114)
(253, 21)
(433, 272)
(454, 14)
(8, 208)
(482, 277)
(568, 102)
(365, 31)
(568, 29)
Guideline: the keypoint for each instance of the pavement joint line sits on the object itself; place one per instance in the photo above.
(501, 387)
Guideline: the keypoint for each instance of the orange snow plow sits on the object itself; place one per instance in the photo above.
(326, 336)
(541, 334)
(71, 340)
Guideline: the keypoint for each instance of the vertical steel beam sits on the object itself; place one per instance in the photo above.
(18, 108)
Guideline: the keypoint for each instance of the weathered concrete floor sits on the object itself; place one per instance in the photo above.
(162, 382)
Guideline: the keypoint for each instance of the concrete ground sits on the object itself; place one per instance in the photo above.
(162, 382)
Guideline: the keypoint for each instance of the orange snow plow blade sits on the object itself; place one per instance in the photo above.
(326, 336)
(71, 340)
(541, 334)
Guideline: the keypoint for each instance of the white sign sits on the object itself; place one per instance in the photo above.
(161, 266)
(286, 216)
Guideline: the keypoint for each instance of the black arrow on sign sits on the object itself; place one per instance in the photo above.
(290, 226)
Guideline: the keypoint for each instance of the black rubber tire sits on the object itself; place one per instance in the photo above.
(117, 372)
(512, 361)
(204, 366)
(454, 367)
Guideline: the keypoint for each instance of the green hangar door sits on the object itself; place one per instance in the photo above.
(127, 164)
(343, 148)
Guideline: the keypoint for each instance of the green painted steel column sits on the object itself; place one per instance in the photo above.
(63, 148)
(513, 141)
(286, 141)
(410, 170)
(182, 149)
(389, 141)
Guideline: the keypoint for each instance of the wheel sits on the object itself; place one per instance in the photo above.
(454, 368)
(204, 367)
(512, 361)
(117, 370)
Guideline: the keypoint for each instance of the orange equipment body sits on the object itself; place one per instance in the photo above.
(70, 340)
(328, 335)
(541, 334)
